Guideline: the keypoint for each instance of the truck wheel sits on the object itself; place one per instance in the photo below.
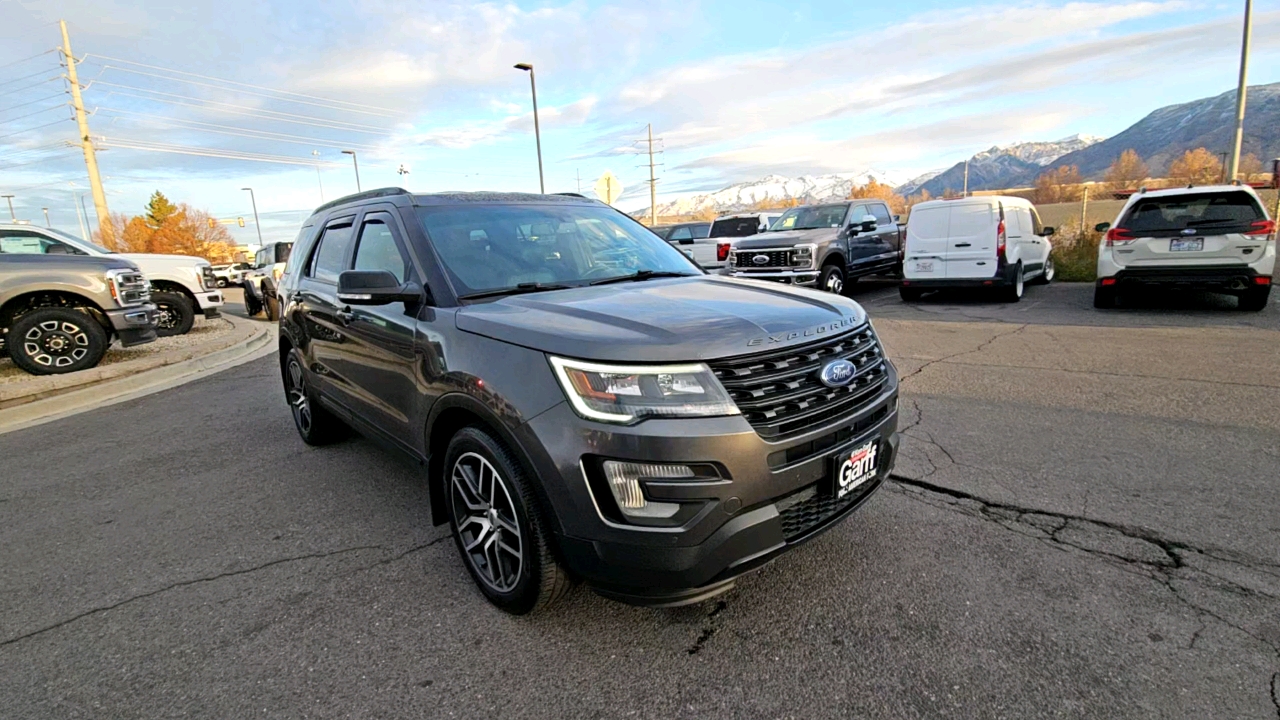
(909, 294)
(174, 313)
(271, 304)
(832, 279)
(500, 532)
(1013, 293)
(1046, 277)
(1104, 298)
(1255, 298)
(222, 283)
(55, 340)
(315, 424)
(252, 305)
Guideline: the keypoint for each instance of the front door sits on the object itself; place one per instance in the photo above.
(317, 301)
(377, 361)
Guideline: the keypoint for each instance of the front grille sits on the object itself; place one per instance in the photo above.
(780, 394)
(777, 258)
(132, 289)
(811, 508)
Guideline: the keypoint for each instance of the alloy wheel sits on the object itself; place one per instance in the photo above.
(56, 343)
(1049, 270)
(166, 316)
(1019, 283)
(835, 283)
(299, 404)
(486, 522)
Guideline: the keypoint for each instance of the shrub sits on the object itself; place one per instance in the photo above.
(1075, 254)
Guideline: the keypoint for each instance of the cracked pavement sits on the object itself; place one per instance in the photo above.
(1082, 523)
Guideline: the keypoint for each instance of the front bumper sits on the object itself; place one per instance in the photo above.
(1227, 278)
(771, 496)
(209, 300)
(134, 325)
(787, 277)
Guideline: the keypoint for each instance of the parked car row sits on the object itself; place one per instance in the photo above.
(47, 275)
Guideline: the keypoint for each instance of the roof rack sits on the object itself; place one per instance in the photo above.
(568, 194)
(366, 195)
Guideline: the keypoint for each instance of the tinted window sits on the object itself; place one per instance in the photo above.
(282, 252)
(882, 214)
(735, 227)
(812, 216)
(330, 254)
(377, 250)
(661, 231)
(21, 242)
(496, 247)
(701, 230)
(681, 233)
(972, 221)
(929, 223)
(858, 212)
(1207, 212)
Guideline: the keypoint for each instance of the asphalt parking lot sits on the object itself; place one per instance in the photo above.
(1083, 523)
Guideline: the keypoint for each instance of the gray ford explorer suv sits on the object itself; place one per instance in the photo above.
(588, 403)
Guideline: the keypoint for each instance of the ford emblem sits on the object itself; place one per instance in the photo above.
(760, 259)
(837, 373)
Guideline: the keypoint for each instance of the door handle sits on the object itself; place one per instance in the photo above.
(345, 316)
(964, 244)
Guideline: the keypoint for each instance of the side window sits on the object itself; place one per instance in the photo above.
(882, 214)
(680, 233)
(856, 213)
(21, 242)
(377, 250)
(1036, 226)
(1013, 224)
(330, 254)
(703, 230)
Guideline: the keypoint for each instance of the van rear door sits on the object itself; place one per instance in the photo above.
(971, 240)
(926, 250)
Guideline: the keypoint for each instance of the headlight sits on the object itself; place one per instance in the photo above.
(802, 256)
(626, 393)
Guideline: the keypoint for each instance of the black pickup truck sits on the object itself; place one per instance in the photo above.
(826, 246)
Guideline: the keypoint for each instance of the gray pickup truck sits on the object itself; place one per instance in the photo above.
(58, 313)
(826, 245)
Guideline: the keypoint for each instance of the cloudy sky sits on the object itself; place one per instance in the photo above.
(200, 99)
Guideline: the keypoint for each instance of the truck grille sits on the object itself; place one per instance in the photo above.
(132, 288)
(777, 258)
(780, 394)
(810, 509)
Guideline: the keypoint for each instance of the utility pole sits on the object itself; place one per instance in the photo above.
(1243, 89)
(84, 227)
(86, 143)
(1084, 210)
(653, 184)
(966, 178)
(11, 215)
(579, 174)
(256, 224)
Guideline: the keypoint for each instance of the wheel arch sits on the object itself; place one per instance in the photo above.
(51, 298)
(176, 287)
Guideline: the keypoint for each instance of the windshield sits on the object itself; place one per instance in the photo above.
(1217, 212)
(810, 217)
(486, 248)
(77, 241)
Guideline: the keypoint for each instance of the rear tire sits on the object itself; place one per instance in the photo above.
(1254, 299)
(493, 511)
(1013, 293)
(56, 340)
(909, 294)
(315, 424)
(832, 279)
(252, 305)
(1104, 298)
(174, 313)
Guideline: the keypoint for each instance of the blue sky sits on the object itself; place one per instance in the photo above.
(735, 90)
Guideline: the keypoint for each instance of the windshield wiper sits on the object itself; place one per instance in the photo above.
(520, 289)
(640, 275)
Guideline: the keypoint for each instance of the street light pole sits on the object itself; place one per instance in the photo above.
(537, 131)
(316, 154)
(10, 199)
(1243, 89)
(256, 224)
(356, 164)
(46, 217)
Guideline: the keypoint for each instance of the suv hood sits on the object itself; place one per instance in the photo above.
(675, 320)
(785, 238)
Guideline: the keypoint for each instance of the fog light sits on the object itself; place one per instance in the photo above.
(624, 482)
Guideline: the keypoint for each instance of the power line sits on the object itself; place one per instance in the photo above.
(24, 77)
(33, 102)
(33, 85)
(33, 57)
(253, 112)
(132, 144)
(27, 130)
(20, 117)
(238, 131)
(36, 149)
(328, 104)
(32, 162)
(238, 84)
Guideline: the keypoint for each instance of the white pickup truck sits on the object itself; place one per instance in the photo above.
(179, 283)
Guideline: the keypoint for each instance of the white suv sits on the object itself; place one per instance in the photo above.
(1215, 238)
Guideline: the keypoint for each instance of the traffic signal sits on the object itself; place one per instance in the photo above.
(212, 223)
(241, 221)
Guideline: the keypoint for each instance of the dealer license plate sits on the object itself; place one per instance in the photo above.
(924, 266)
(1186, 245)
(854, 468)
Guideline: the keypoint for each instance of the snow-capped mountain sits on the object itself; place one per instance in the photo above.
(1042, 153)
(772, 188)
(1001, 166)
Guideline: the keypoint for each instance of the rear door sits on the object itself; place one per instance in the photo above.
(926, 251)
(1191, 229)
(971, 240)
(888, 232)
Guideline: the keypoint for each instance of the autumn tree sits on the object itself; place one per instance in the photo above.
(1196, 167)
(878, 191)
(159, 209)
(1059, 185)
(170, 229)
(1250, 168)
(1127, 172)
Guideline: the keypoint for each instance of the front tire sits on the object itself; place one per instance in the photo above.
(222, 283)
(56, 340)
(1046, 277)
(174, 313)
(315, 424)
(1255, 298)
(832, 279)
(497, 525)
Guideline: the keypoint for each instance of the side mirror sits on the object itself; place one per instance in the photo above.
(1047, 231)
(375, 287)
(897, 218)
(866, 224)
(1102, 227)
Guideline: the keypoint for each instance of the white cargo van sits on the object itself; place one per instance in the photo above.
(976, 242)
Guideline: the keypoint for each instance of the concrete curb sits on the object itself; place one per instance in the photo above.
(101, 393)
